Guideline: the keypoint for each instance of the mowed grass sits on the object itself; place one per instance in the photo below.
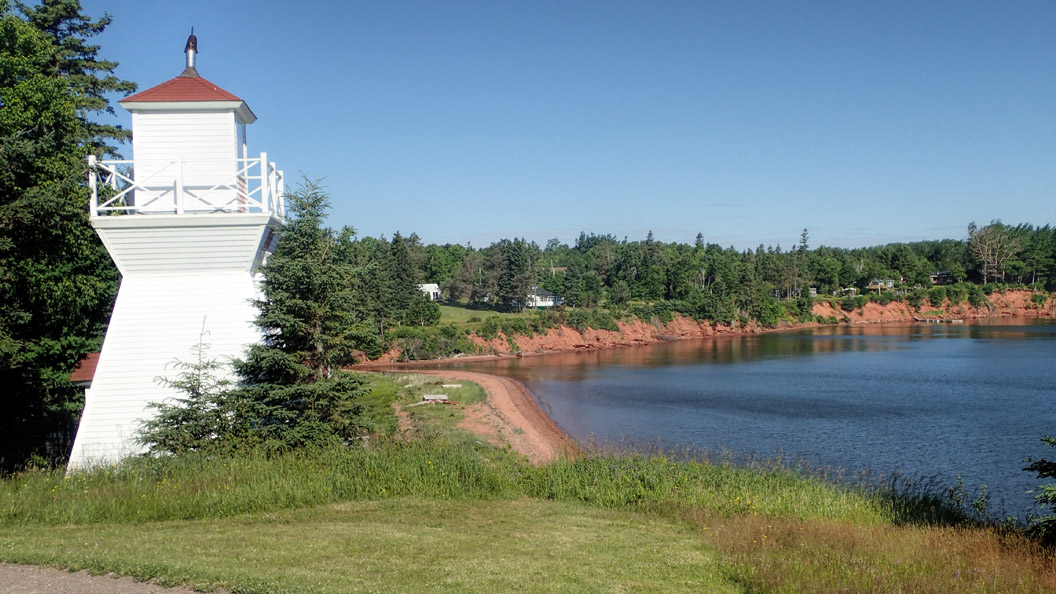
(396, 545)
(460, 314)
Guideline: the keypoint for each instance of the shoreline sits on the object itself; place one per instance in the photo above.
(510, 413)
(1012, 303)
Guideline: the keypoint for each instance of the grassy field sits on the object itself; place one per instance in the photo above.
(459, 314)
(450, 513)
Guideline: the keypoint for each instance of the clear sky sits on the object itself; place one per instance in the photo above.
(864, 122)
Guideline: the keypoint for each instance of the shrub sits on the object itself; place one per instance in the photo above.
(937, 296)
(514, 326)
(1039, 298)
(957, 293)
(490, 328)
(976, 296)
(579, 319)
(916, 298)
(603, 320)
(1044, 527)
(852, 303)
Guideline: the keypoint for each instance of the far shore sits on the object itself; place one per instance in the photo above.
(512, 414)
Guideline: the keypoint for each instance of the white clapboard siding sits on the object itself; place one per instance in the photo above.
(155, 321)
(176, 244)
(205, 145)
(180, 273)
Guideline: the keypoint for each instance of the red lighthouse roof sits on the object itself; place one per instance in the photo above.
(183, 88)
(188, 87)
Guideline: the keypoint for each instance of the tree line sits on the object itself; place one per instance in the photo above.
(604, 270)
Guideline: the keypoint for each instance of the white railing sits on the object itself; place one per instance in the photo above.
(175, 187)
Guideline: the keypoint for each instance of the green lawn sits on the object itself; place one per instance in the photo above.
(395, 545)
(460, 314)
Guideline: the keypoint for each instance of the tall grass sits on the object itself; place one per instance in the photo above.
(200, 486)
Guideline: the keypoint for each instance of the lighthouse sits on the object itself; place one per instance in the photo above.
(188, 222)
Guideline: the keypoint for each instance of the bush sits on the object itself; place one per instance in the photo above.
(514, 326)
(853, 303)
(417, 344)
(490, 328)
(916, 298)
(976, 296)
(603, 320)
(549, 318)
(1039, 298)
(579, 319)
(957, 293)
(937, 296)
(769, 314)
(1044, 527)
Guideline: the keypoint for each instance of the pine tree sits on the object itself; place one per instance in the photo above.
(294, 378)
(77, 63)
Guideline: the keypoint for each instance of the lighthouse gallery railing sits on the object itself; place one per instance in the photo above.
(255, 187)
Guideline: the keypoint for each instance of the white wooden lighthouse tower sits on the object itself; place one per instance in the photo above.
(187, 222)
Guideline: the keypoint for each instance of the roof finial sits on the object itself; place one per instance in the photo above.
(192, 50)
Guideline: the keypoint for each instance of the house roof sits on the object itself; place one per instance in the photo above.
(543, 293)
(84, 370)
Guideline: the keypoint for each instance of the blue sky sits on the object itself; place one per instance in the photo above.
(864, 122)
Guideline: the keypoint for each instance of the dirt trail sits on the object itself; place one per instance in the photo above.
(29, 579)
(511, 414)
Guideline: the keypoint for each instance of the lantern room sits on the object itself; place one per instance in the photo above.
(190, 154)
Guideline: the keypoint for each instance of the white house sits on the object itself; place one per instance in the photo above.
(187, 227)
(431, 290)
(541, 299)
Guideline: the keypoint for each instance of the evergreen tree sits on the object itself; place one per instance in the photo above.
(210, 416)
(57, 282)
(515, 278)
(89, 79)
(294, 378)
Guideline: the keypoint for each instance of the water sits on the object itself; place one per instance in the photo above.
(919, 401)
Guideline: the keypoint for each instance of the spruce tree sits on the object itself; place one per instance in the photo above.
(76, 62)
(294, 379)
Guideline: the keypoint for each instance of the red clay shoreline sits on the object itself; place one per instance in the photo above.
(511, 411)
(638, 333)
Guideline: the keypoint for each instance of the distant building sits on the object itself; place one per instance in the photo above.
(431, 290)
(941, 278)
(880, 284)
(541, 299)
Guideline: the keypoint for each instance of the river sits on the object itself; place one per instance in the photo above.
(922, 401)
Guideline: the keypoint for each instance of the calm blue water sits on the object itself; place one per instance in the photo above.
(921, 401)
